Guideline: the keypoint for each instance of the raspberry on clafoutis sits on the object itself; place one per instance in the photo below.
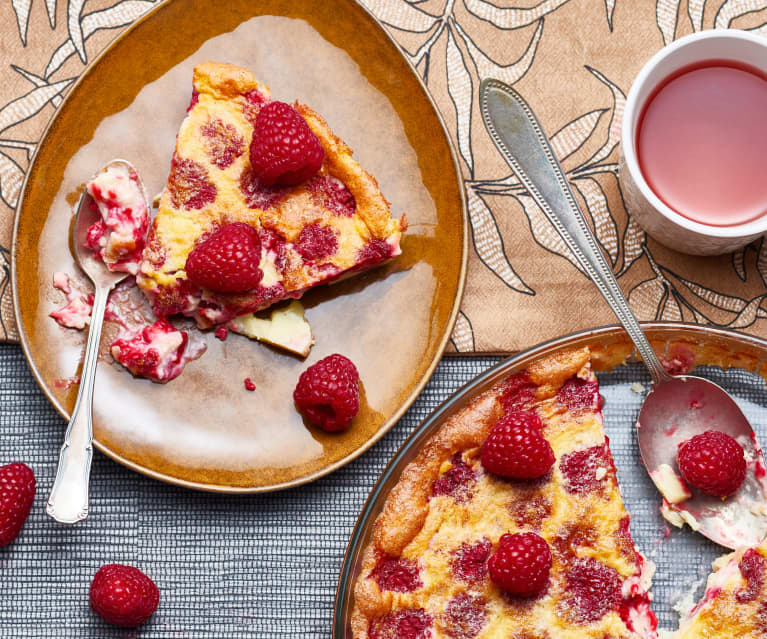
(328, 393)
(521, 564)
(284, 149)
(518, 392)
(579, 395)
(406, 623)
(515, 447)
(593, 589)
(753, 567)
(456, 482)
(227, 261)
(464, 616)
(396, 575)
(469, 562)
(222, 142)
(123, 595)
(317, 241)
(189, 184)
(713, 462)
(331, 193)
(17, 492)
(581, 469)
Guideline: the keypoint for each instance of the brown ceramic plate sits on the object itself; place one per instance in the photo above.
(203, 429)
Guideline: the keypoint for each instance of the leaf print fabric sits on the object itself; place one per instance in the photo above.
(573, 60)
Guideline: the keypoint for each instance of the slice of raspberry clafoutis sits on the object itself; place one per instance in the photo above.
(263, 202)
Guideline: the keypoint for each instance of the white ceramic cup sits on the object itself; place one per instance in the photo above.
(660, 221)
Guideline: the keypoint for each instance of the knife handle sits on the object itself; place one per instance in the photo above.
(519, 137)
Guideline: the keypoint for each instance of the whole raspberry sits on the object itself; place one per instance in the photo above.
(521, 564)
(227, 262)
(515, 447)
(328, 393)
(712, 461)
(123, 595)
(17, 492)
(284, 150)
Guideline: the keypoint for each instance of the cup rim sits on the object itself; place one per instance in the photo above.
(753, 227)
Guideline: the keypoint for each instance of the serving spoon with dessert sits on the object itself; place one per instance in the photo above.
(685, 421)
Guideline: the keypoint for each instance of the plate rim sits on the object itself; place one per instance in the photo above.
(344, 587)
(387, 424)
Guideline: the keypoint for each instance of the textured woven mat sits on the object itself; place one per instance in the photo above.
(262, 566)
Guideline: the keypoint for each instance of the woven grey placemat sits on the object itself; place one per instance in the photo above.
(262, 565)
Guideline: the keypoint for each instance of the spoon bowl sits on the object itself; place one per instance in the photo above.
(681, 407)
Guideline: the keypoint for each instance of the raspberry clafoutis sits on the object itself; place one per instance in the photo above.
(263, 202)
(734, 604)
(509, 524)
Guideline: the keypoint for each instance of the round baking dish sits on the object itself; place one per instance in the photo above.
(610, 349)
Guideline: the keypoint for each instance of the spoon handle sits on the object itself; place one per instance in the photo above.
(68, 501)
(523, 144)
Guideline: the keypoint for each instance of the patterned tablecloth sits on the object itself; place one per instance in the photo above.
(574, 61)
(263, 566)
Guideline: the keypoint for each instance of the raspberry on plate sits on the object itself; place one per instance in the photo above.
(123, 595)
(17, 492)
(515, 447)
(328, 393)
(521, 564)
(227, 262)
(284, 150)
(713, 462)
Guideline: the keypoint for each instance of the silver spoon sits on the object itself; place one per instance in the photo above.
(678, 406)
(68, 501)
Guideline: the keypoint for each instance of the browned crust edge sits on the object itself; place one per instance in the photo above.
(372, 206)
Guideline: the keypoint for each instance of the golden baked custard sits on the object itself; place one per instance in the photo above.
(426, 573)
(735, 601)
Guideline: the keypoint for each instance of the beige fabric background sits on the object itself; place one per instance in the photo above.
(574, 61)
